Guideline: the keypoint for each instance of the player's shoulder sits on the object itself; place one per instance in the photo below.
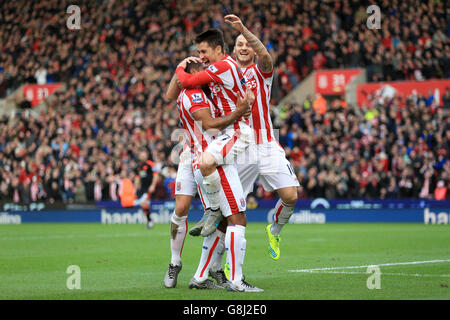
(189, 91)
(222, 65)
(195, 95)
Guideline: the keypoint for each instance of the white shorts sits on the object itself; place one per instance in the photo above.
(232, 200)
(227, 147)
(185, 183)
(268, 162)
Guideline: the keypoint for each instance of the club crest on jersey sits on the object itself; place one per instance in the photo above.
(248, 76)
(213, 69)
(197, 97)
(243, 81)
(243, 202)
(178, 186)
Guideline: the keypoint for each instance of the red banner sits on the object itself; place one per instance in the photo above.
(402, 89)
(36, 93)
(331, 82)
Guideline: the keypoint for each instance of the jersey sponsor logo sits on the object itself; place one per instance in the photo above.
(243, 81)
(213, 69)
(197, 97)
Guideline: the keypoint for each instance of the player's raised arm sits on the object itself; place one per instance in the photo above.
(242, 109)
(265, 62)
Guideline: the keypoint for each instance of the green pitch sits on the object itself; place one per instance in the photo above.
(129, 262)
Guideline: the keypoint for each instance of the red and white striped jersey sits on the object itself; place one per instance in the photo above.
(261, 84)
(189, 101)
(227, 83)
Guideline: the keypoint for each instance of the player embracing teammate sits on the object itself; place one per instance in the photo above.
(227, 165)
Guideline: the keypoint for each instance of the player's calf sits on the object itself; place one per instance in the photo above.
(284, 208)
(178, 229)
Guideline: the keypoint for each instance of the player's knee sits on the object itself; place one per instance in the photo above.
(182, 205)
(289, 196)
(207, 163)
(181, 210)
(238, 219)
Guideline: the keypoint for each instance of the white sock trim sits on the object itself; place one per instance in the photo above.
(178, 220)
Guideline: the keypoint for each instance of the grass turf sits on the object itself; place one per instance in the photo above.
(129, 262)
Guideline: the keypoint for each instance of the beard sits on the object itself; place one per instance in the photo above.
(244, 59)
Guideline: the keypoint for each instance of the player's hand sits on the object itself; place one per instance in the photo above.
(187, 60)
(250, 96)
(244, 105)
(235, 22)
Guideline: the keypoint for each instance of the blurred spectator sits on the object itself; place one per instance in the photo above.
(3, 86)
(41, 75)
(54, 194)
(441, 191)
(446, 100)
(80, 192)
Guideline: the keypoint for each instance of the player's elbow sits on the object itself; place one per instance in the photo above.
(266, 62)
(186, 83)
(183, 80)
(208, 126)
(170, 95)
(212, 127)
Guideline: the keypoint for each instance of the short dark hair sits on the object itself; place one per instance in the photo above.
(214, 37)
(193, 66)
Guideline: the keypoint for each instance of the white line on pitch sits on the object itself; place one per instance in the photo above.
(384, 273)
(365, 266)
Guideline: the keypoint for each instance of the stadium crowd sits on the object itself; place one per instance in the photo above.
(117, 66)
(393, 148)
